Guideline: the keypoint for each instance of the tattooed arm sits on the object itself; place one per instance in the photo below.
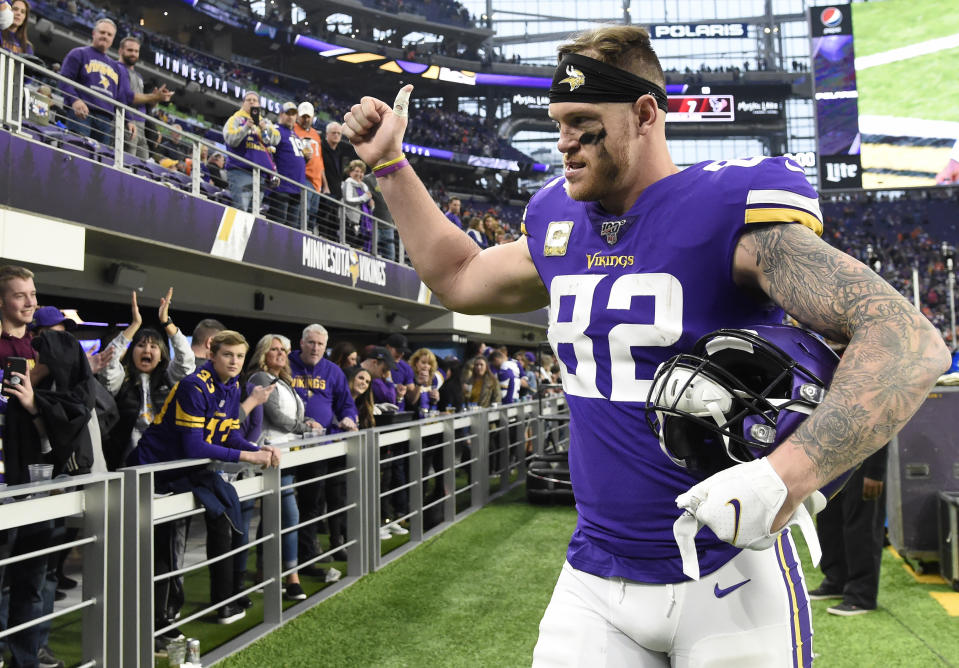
(893, 358)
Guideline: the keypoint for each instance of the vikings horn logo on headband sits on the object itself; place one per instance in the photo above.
(574, 78)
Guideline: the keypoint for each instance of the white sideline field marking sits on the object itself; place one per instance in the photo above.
(905, 52)
(899, 126)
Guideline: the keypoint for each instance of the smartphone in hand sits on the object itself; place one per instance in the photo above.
(13, 364)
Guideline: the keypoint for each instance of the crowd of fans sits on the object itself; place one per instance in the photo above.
(286, 143)
(220, 398)
(459, 131)
(897, 233)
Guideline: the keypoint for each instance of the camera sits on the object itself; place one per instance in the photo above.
(255, 114)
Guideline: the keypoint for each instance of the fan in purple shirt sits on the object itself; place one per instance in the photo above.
(90, 66)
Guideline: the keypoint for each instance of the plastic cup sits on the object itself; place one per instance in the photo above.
(176, 653)
(40, 472)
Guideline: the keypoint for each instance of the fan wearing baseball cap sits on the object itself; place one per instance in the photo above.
(313, 154)
(50, 317)
(290, 163)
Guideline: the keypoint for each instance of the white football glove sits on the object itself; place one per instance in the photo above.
(739, 505)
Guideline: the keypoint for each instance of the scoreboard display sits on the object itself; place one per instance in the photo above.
(701, 109)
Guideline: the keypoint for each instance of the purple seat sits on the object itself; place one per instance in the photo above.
(148, 169)
(177, 179)
(52, 134)
(79, 146)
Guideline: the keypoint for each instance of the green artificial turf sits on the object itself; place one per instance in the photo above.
(919, 87)
(473, 596)
(890, 24)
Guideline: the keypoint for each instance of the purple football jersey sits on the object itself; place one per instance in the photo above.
(627, 293)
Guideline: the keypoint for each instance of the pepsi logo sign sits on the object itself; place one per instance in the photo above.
(830, 17)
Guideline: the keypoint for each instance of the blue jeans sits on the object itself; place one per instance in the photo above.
(286, 208)
(386, 242)
(289, 516)
(27, 580)
(97, 125)
(312, 209)
(241, 188)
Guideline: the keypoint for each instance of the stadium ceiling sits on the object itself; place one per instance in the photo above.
(320, 9)
(554, 36)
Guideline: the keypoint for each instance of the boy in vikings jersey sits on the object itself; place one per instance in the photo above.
(636, 260)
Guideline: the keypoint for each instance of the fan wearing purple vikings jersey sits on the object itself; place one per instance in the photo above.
(90, 66)
(637, 259)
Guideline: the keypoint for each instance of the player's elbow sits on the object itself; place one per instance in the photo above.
(937, 352)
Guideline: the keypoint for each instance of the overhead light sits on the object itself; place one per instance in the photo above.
(164, 13)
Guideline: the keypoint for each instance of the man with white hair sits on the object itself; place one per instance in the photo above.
(326, 397)
(92, 67)
(336, 155)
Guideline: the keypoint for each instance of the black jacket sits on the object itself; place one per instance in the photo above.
(64, 401)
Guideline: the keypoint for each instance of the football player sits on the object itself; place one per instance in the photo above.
(637, 260)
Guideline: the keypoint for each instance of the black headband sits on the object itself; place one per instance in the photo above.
(580, 78)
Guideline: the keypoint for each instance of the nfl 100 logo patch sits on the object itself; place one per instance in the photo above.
(557, 238)
(610, 230)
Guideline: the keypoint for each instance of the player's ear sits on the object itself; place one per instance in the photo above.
(645, 113)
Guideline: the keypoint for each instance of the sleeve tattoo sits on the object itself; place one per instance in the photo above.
(894, 354)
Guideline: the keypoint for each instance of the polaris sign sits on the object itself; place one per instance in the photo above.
(698, 30)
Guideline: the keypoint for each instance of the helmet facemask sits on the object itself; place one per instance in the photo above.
(736, 396)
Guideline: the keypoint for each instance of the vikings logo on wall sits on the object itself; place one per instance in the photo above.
(610, 230)
(574, 78)
(354, 266)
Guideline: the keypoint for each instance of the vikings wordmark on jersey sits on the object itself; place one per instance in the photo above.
(613, 322)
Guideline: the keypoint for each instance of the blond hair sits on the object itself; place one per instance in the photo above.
(227, 337)
(428, 354)
(8, 272)
(257, 360)
(625, 47)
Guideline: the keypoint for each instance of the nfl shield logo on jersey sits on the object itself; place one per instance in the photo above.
(610, 230)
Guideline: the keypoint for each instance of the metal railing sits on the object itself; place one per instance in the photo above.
(92, 503)
(454, 465)
(33, 104)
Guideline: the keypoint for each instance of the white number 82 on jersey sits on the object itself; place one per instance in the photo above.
(665, 330)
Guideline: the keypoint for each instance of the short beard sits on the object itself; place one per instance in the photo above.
(606, 173)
